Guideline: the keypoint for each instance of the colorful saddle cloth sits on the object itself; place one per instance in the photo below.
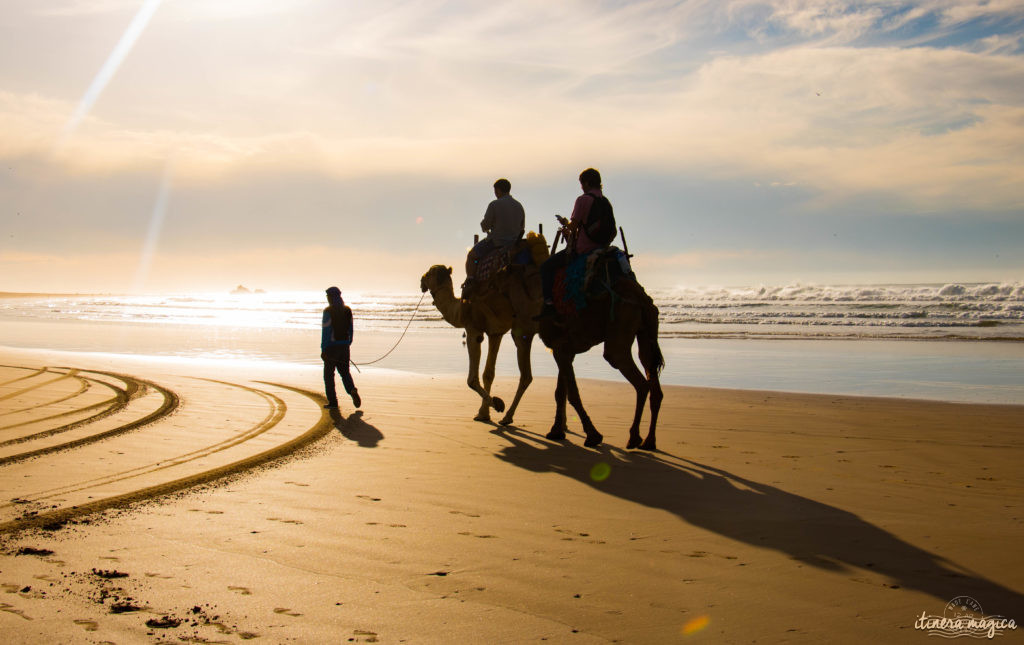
(587, 277)
(532, 250)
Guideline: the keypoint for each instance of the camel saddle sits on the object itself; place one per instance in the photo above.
(588, 277)
(529, 251)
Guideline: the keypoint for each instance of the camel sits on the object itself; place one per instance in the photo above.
(508, 306)
(615, 319)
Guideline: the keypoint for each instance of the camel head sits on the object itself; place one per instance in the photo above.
(435, 277)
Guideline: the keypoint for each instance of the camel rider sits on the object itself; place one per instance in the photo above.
(335, 345)
(504, 222)
(579, 242)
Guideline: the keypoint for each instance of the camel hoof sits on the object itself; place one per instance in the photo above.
(485, 418)
(505, 421)
(497, 404)
(593, 440)
(634, 442)
(648, 445)
(556, 434)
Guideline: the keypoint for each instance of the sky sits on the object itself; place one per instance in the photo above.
(194, 145)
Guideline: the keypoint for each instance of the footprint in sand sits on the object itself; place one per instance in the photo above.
(157, 575)
(89, 625)
(372, 499)
(464, 513)
(360, 636)
(11, 610)
(297, 484)
(242, 590)
(285, 611)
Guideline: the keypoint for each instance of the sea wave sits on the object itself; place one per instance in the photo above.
(951, 310)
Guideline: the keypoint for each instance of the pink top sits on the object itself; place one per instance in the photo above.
(580, 211)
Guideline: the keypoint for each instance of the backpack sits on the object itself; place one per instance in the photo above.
(600, 226)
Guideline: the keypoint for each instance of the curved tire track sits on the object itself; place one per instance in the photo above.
(134, 388)
(273, 417)
(36, 386)
(58, 517)
(84, 385)
(41, 370)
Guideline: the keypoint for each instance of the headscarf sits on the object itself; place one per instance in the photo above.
(338, 311)
(334, 297)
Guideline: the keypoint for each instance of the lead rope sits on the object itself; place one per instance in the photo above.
(411, 318)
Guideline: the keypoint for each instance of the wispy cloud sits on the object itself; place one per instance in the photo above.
(918, 104)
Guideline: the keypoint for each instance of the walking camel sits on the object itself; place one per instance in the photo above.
(620, 314)
(508, 306)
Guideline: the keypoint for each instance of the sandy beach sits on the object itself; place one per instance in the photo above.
(169, 500)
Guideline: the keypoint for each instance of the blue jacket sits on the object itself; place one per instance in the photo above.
(336, 332)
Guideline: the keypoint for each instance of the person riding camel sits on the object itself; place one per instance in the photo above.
(504, 222)
(579, 241)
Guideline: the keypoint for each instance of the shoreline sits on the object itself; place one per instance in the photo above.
(928, 371)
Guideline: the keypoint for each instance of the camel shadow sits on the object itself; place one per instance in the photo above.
(758, 514)
(355, 429)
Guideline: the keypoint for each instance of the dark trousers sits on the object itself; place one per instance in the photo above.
(336, 358)
(549, 269)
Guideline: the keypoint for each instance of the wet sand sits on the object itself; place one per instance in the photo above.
(151, 500)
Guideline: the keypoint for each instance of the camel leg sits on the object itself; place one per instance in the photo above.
(474, 340)
(622, 359)
(566, 371)
(493, 345)
(652, 360)
(523, 344)
(558, 428)
(650, 443)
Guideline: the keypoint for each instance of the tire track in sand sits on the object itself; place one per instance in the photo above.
(56, 518)
(273, 417)
(84, 385)
(134, 388)
(41, 370)
(36, 386)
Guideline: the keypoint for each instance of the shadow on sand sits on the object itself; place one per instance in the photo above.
(355, 429)
(759, 514)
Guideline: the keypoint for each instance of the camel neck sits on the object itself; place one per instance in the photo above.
(450, 307)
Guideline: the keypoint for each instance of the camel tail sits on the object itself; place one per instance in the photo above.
(647, 340)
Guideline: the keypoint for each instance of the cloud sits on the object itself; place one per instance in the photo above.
(839, 22)
(534, 87)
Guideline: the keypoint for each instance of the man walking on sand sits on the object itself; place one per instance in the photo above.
(335, 345)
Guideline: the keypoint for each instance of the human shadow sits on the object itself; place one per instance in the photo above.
(355, 429)
(759, 514)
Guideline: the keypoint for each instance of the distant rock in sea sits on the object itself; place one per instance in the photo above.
(239, 290)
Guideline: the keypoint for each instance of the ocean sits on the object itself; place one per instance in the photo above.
(956, 342)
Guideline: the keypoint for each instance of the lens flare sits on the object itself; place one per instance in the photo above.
(600, 471)
(113, 62)
(156, 222)
(695, 625)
